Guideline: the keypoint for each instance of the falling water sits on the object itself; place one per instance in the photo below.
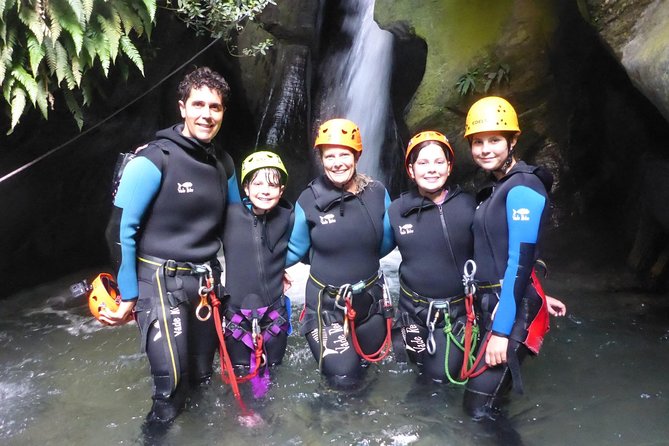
(357, 81)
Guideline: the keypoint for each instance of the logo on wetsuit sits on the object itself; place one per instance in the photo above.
(406, 229)
(521, 214)
(185, 188)
(327, 219)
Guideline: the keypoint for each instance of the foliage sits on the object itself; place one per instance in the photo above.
(223, 19)
(467, 83)
(52, 45)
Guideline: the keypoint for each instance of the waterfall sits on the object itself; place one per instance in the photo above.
(355, 81)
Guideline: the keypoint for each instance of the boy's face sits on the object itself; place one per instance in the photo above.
(202, 113)
(263, 192)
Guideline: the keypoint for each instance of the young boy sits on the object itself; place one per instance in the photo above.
(255, 244)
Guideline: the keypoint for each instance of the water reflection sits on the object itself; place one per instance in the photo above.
(601, 379)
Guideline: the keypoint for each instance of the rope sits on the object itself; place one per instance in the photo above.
(85, 132)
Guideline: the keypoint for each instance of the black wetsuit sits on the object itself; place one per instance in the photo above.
(170, 206)
(507, 227)
(344, 235)
(435, 241)
(255, 248)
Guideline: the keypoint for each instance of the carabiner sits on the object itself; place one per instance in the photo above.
(255, 330)
(468, 277)
(204, 305)
(431, 343)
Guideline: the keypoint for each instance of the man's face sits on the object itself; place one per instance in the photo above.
(202, 113)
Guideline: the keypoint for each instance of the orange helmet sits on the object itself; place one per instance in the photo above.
(340, 132)
(490, 114)
(428, 135)
(104, 294)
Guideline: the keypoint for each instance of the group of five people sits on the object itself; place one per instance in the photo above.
(177, 204)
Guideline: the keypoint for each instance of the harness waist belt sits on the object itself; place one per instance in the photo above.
(356, 288)
(172, 267)
(423, 300)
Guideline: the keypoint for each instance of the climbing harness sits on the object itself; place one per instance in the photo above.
(388, 312)
(469, 362)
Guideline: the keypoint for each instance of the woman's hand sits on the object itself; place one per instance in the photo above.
(555, 306)
(495, 352)
(287, 281)
(121, 316)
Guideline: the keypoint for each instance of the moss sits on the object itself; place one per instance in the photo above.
(457, 33)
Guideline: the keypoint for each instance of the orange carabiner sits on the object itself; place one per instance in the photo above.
(203, 310)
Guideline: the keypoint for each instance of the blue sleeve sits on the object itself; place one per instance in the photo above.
(139, 185)
(233, 190)
(524, 209)
(300, 239)
(388, 241)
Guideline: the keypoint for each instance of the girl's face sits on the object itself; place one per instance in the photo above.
(339, 164)
(490, 150)
(264, 190)
(430, 170)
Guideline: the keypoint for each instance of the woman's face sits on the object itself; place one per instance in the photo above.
(430, 170)
(338, 163)
(490, 150)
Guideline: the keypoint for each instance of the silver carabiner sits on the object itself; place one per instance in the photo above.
(431, 343)
(468, 273)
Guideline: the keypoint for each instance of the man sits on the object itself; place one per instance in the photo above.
(170, 208)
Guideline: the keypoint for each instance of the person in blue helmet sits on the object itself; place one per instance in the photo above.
(513, 212)
(257, 313)
(342, 229)
(169, 219)
(432, 228)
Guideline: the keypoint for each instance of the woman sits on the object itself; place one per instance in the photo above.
(432, 228)
(342, 224)
(508, 222)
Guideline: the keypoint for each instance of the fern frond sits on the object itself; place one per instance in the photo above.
(77, 8)
(18, 104)
(55, 28)
(129, 19)
(87, 7)
(35, 54)
(61, 63)
(27, 82)
(42, 99)
(7, 88)
(50, 55)
(74, 108)
(76, 70)
(29, 17)
(112, 34)
(75, 31)
(131, 51)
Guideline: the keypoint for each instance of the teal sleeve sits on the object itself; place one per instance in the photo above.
(300, 239)
(388, 241)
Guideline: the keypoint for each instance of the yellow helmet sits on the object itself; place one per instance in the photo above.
(489, 114)
(104, 294)
(341, 132)
(428, 135)
(261, 160)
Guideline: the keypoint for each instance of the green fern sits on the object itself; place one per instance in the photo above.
(131, 51)
(18, 103)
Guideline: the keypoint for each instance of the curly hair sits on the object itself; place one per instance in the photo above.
(203, 77)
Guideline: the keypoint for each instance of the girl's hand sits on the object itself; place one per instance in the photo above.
(495, 352)
(121, 316)
(555, 306)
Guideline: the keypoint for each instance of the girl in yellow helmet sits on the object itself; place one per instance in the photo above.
(508, 223)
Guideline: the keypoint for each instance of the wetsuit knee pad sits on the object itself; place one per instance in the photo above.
(338, 355)
(275, 348)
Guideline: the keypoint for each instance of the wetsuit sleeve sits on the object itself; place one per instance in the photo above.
(233, 189)
(388, 241)
(300, 239)
(139, 185)
(524, 208)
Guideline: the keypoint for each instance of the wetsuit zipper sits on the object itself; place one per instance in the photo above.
(444, 229)
(257, 236)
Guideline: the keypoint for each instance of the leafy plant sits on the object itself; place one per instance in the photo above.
(468, 82)
(52, 45)
(223, 19)
(498, 76)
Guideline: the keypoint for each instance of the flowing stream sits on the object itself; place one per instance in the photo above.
(600, 378)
